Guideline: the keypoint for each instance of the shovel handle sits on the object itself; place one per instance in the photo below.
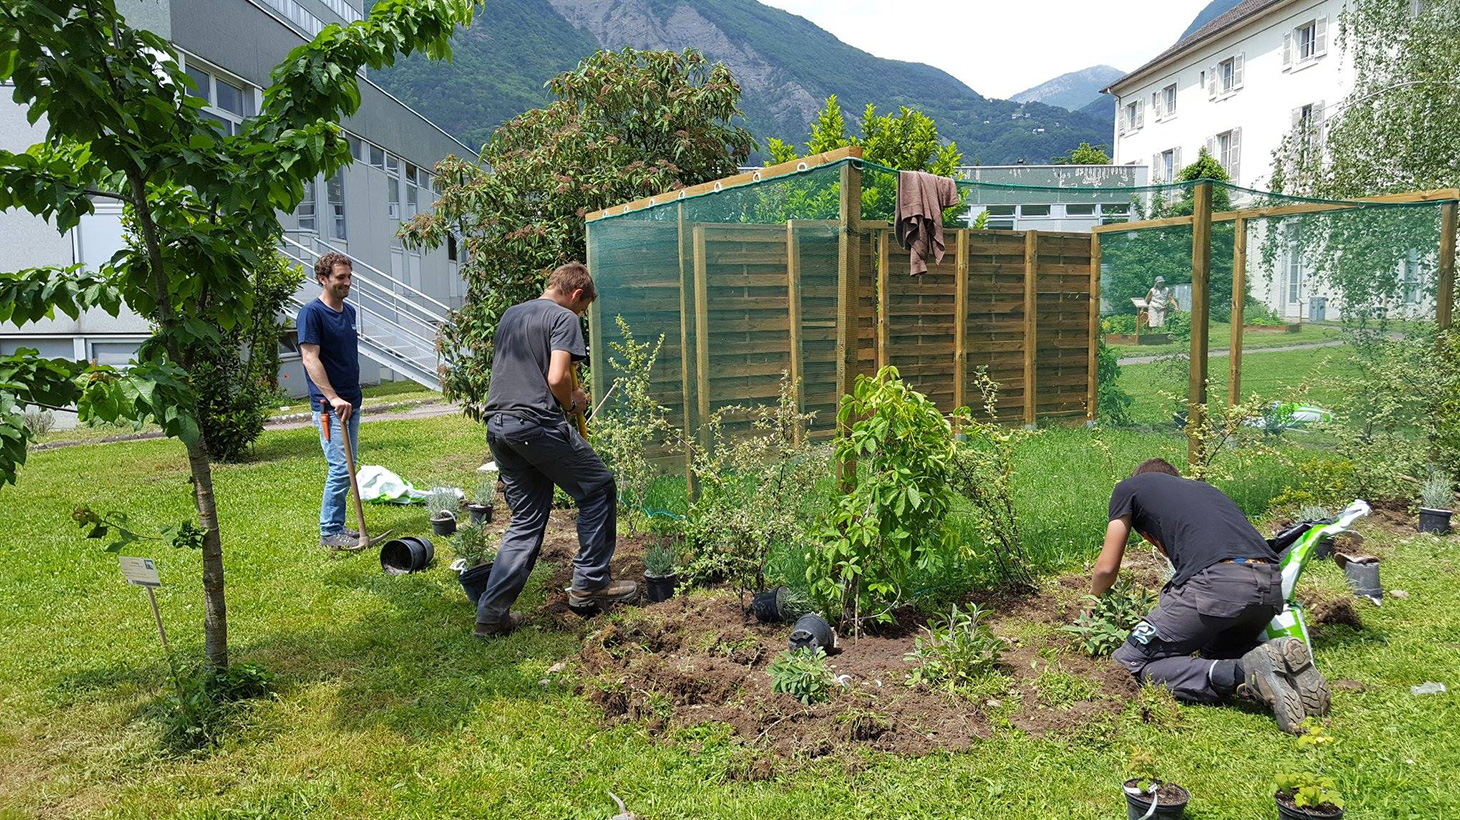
(354, 483)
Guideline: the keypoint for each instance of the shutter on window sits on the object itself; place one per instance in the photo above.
(1212, 83)
(1297, 117)
(1158, 171)
(1287, 51)
(1236, 170)
(1177, 161)
(1156, 105)
(1320, 36)
(1140, 113)
(1120, 129)
(1237, 70)
(1317, 126)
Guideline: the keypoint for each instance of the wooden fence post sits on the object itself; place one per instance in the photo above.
(793, 317)
(1201, 267)
(1092, 389)
(884, 298)
(1239, 308)
(960, 323)
(1445, 294)
(702, 334)
(848, 251)
(1031, 327)
(687, 304)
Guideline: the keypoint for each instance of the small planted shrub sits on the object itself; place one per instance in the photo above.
(661, 560)
(484, 492)
(983, 473)
(441, 502)
(1313, 512)
(39, 422)
(1438, 491)
(955, 651)
(631, 424)
(803, 674)
(474, 545)
(1104, 626)
(1308, 792)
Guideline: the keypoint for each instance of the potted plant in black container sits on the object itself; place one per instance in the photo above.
(1307, 796)
(778, 605)
(475, 553)
(1437, 495)
(442, 504)
(661, 571)
(482, 497)
(1147, 795)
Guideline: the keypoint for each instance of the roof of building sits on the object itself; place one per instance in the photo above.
(1219, 25)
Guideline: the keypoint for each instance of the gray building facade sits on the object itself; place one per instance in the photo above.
(229, 47)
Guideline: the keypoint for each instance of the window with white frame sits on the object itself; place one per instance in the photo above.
(334, 189)
(1165, 166)
(1305, 43)
(413, 192)
(344, 10)
(377, 157)
(307, 207)
(392, 186)
(1308, 125)
(1226, 77)
(1113, 212)
(1000, 217)
(1033, 210)
(227, 102)
(1133, 116)
(1226, 148)
(1411, 281)
(1075, 209)
(1295, 273)
(296, 14)
(1163, 103)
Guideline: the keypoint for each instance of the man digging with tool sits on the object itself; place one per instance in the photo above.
(329, 346)
(530, 399)
(1203, 641)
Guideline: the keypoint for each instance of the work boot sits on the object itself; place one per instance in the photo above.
(341, 542)
(614, 592)
(1281, 675)
(487, 630)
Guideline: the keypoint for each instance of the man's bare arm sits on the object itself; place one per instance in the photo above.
(1107, 566)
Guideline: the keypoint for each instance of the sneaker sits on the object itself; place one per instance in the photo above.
(351, 533)
(1281, 675)
(485, 630)
(614, 592)
(341, 542)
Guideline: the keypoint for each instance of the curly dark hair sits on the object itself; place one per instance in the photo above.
(325, 265)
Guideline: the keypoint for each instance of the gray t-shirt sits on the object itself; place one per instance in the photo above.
(526, 336)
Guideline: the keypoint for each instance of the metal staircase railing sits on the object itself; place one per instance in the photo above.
(397, 323)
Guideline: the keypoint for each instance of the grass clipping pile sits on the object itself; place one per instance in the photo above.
(701, 659)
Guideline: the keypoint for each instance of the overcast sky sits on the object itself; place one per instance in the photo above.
(1000, 49)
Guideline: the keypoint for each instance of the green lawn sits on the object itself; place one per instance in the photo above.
(387, 708)
(1221, 337)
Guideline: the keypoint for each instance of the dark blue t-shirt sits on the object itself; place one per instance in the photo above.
(339, 351)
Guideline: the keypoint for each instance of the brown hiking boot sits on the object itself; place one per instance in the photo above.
(1280, 674)
(485, 631)
(614, 592)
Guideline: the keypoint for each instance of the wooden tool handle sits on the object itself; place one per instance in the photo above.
(578, 420)
(354, 483)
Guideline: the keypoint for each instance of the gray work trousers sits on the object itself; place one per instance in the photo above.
(531, 458)
(1190, 642)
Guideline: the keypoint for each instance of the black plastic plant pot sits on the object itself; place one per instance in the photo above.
(812, 630)
(1141, 804)
(1434, 521)
(402, 556)
(660, 588)
(1288, 811)
(444, 526)
(474, 581)
(480, 513)
(1363, 576)
(766, 606)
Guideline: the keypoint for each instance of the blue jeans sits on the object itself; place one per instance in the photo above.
(337, 483)
(531, 458)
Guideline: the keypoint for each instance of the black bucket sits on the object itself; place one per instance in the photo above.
(402, 556)
(660, 589)
(1363, 576)
(1138, 804)
(766, 606)
(480, 514)
(444, 526)
(812, 630)
(1434, 521)
(474, 581)
(1292, 813)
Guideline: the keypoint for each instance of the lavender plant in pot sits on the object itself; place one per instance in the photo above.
(476, 551)
(483, 495)
(661, 571)
(442, 504)
(1437, 497)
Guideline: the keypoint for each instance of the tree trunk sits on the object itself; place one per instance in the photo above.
(215, 624)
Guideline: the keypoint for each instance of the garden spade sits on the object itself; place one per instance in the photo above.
(365, 540)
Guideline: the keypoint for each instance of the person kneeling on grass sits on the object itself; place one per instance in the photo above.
(529, 400)
(1204, 639)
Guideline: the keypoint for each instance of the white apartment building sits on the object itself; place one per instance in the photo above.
(1239, 86)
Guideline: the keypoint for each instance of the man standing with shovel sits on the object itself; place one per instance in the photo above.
(530, 402)
(329, 346)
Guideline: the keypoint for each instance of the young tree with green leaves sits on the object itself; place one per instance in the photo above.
(623, 125)
(201, 208)
(1084, 154)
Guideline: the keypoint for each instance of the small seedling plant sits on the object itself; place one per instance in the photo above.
(955, 651)
(661, 560)
(1142, 769)
(474, 545)
(1309, 791)
(803, 674)
(1107, 622)
(441, 502)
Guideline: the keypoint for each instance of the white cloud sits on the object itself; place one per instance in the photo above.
(1000, 49)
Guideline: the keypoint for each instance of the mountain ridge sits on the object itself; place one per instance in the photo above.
(1073, 90)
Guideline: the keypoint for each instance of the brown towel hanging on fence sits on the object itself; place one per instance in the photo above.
(921, 199)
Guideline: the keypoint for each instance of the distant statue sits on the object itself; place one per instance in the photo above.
(1158, 300)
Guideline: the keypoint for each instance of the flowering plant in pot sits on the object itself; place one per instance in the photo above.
(1437, 496)
(661, 571)
(1147, 795)
(475, 553)
(1305, 795)
(482, 497)
(442, 504)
